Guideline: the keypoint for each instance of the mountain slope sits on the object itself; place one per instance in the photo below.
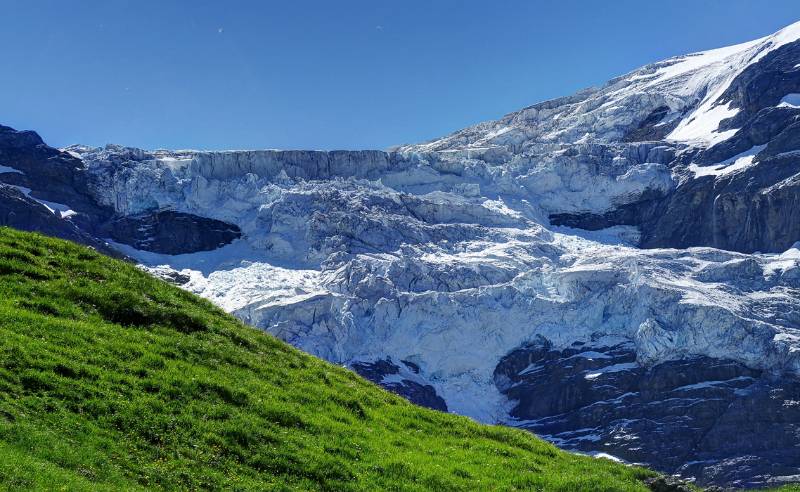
(693, 94)
(617, 271)
(112, 379)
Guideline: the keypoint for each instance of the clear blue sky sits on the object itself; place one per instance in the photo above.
(328, 74)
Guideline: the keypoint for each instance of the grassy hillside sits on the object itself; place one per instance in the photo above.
(111, 379)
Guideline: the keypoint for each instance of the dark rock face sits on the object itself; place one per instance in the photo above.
(763, 84)
(416, 392)
(171, 233)
(667, 484)
(651, 128)
(632, 213)
(51, 174)
(713, 420)
(24, 213)
(766, 125)
(753, 210)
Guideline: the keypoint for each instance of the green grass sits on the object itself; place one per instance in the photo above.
(110, 379)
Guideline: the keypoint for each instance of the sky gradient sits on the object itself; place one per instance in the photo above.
(324, 74)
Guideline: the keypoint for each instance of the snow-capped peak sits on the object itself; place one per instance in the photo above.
(686, 88)
(711, 72)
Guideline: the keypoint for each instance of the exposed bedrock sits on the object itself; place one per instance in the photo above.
(754, 210)
(170, 232)
(762, 84)
(51, 174)
(402, 380)
(21, 212)
(712, 419)
(653, 127)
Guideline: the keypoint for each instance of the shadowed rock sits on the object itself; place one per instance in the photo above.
(710, 419)
(416, 392)
(171, 233)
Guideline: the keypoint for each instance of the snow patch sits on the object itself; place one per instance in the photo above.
(711, 384)
(627, 366)
(8, 169)
(715, 70)
(702, 125)
(608, 457)
(235, 276)
(735, 164)
(790, 101)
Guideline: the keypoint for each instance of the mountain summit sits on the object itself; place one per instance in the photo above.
(617, 271)
(682, 99)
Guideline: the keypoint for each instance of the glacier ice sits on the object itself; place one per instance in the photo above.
(429, 269)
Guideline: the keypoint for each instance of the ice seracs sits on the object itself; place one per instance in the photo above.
(350, 269)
